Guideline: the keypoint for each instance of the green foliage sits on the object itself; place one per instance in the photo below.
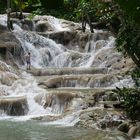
(128, 40)
(131, 99)
(75, 9)
(129, 33)
(85, 8)
(136, 76)
(21, 4)
(26, 3)
(100, 12)
(131, 8)
(2, 6)
(34, 13)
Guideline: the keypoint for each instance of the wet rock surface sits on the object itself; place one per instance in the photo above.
(82, 71)
(14, 106)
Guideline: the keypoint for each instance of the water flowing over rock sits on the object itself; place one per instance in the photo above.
(68, 71)
(59, 102)
(14, 106)
(71, 77)
(96, 80)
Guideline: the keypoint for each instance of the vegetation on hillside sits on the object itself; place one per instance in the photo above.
(130, 99)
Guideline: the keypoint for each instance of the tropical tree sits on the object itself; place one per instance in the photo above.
(129, 33)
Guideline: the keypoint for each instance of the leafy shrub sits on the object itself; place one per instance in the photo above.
(128, 40)
(131, 100)
(136, 76)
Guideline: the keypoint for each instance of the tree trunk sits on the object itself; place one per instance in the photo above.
(8, 11)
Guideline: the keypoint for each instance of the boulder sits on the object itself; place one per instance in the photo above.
(124, 127)
(132, 131)
(43, 26)
(8, 37)
(8, 43)
(8, 78)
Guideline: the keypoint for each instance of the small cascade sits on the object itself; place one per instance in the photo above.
(55, 23)
(95, 51)
(41, 48)
(46, 52)
(50, 24)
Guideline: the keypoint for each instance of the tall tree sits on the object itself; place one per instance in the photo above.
(8, 11)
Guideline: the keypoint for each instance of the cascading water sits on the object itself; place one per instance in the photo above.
(42, 50)
(46, 53)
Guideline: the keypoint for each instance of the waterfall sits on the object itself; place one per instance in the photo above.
(45, 52)
(99, 53)
(42, 50)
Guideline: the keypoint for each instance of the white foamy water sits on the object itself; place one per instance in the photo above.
(105, 46)
(27, 87)
(126, 82)
(69, 120)
(45, 52)
(3, 20)
(137, 138)
(56, 24)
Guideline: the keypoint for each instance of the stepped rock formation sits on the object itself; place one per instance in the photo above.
(72, 73)
(14, 106)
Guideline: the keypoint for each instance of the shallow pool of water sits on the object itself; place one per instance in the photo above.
(30, 130)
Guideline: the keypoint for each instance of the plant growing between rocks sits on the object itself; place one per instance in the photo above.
(130, 98)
